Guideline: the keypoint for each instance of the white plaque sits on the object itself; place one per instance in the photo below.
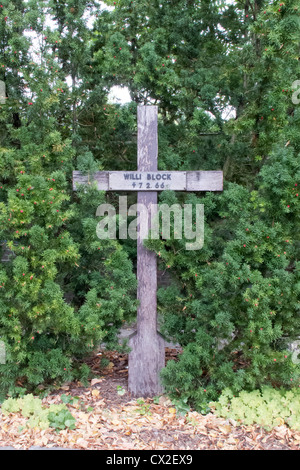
(147, 180)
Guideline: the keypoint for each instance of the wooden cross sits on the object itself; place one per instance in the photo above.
(147, 356)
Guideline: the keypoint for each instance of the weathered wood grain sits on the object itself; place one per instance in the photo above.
(181, 181)
(100, 177)
(147, 356)
(204, 181)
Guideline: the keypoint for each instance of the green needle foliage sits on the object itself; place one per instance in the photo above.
(236, 307)
(50, 232)
(222, 76)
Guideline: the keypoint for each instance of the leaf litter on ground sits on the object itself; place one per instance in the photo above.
(106, 419)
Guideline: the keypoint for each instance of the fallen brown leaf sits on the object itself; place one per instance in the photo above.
(96, 381)
(117, 422)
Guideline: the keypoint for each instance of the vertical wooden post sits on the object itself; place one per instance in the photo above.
(147, 356)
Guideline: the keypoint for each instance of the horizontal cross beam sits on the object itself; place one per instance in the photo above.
(152, 181)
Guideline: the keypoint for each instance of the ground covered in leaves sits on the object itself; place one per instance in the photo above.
(107, 418)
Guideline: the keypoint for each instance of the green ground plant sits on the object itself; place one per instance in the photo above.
(266, 407)
(38, 415)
